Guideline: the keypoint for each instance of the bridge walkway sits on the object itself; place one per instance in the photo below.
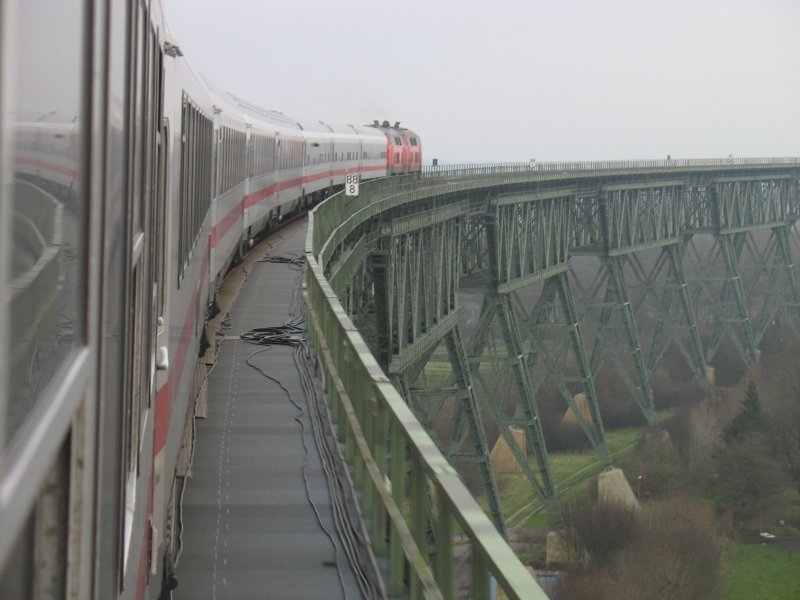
(249, 528)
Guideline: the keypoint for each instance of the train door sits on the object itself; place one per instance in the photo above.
(161, 327)
(137, 376)
(248, 174)
(157, 139)
(217, 164)
(160, 255)
(145, 287)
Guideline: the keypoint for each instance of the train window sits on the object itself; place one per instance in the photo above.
(48, 207)
(195, 182)
(37, 567)
(233, 148)
(398, 141)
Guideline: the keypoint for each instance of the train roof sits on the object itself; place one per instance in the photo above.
(263, 116)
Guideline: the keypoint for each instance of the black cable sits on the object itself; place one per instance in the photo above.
(304, 470)
(346, 513)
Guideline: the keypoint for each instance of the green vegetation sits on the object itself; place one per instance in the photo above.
(572, 473)
(762, 571)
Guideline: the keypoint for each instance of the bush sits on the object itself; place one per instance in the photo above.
(668, 551)
(677, 556)
(658, 463)
(596, 531)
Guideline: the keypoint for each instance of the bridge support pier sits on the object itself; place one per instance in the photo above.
(676, 293)
(732, 305)
(617, 299)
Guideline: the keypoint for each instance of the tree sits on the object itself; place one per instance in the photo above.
(784, 421)
(750, 417)
(786, 439)
(746, 473)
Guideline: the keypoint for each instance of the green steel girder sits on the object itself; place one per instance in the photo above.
(424, 274)
(467, 410)
(596, 432)
(542, 320)
(638, 217)
(474, 351)
(466, 406)
(532, 235)
(733, 296)
(542, 483)
(498, 262)
(746, 204)
(470, 413)
(419, 291)
(782, 295)
(531, 422)
(348, 263)
(617, 300)
(676, 292)
(782, 233)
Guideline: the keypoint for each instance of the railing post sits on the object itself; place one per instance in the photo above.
(398, 477)
(444, 547)
(480, 576)
(380, 516)
(418, 502)
(368, 419)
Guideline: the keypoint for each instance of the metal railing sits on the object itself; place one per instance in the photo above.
(460, 170)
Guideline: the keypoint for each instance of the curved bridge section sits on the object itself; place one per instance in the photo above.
(550, 274)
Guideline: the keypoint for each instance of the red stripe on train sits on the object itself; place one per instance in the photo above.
(165, 397)
(33, 162)
(220, 230)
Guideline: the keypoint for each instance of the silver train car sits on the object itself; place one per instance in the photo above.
(128, 187)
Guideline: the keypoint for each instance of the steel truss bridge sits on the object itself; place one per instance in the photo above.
(538, 274)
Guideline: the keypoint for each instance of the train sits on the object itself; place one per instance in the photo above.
(130, 186)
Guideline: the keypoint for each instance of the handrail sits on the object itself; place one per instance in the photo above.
(450, 170)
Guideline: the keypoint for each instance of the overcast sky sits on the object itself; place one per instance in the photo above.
(502, 80)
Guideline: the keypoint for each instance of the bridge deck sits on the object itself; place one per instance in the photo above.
(249, 528)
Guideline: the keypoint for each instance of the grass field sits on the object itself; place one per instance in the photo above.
(571, 471)
(762, 571)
